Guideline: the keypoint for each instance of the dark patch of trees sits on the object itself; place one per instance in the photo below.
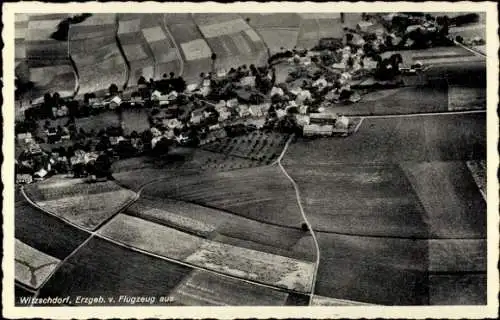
(61, 34)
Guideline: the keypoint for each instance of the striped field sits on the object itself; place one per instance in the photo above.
(41, 59)
(94, 49)
(241, 262)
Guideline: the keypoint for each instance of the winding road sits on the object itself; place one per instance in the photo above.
(302, 212)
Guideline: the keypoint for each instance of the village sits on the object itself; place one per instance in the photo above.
(296, 92)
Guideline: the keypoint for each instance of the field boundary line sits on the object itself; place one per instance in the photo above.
(177, 50)
(59, 265)
(23, 286)
(475, 52)
(359, 124)
(122, 53)
(423, 114)
(476, 178)
(299, 202)
(73, 64)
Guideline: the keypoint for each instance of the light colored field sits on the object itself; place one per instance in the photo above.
(478, 171)
(253, 35)
(254, 265)
(151, 237)
(203, 19)
(331, 302)
(33, 267)
(224, 28)
(45, 75)
(225, 227)
(129, 26)
(135, 52)
(20, 31)
(317, 15)
(242, 44)
(380, 94)
(466, 98)
(88, 211)
(175, 220)
(60, 187)
(249, 264)
(95, 52)
(481, 49)
(457, 255)
(99, 19)
(42, 26)
(196, 49)
(21, 17)
(205, 289)
(154, 34)
(59, 181)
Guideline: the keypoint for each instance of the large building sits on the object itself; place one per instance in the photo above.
(317, 130)
(323, 118)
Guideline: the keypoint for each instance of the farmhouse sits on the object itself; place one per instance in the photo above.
(317, 130)
(114, 103)
(196, 116)
(323, 118)
(302, 120)
(24, 178)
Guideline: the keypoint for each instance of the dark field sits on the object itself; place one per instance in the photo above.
(365, 269)
(20, 292)
(402, 101)
(376, 198)
(102, 268)
(262, 194)
(399, 272)
(46, 233)
(395, 140)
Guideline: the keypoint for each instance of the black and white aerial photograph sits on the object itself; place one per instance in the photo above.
(286, 159)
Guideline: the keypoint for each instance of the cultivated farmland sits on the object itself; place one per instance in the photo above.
(49, 66)
(46, 233)
(225, 227)
(466, 98)
(102, 268)
(232, 39)
(145, 36)
(262, 194)
(135, 47)
(257, 145)
(33, 267)
(205, 289)
(398, 101)
(194, 49)
(94, 49)
(272, 20)
(417, 203)
(395, 140)
(241, 262)
(136, 172)
(84, 204)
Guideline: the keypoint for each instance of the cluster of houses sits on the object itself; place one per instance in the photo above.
(207, 120)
